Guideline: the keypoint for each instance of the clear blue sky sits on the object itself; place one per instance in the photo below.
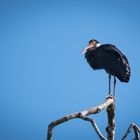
(43, 76)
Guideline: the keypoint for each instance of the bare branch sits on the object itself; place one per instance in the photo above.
(136, 131)
(111, 122)
(84, 113)
(94, 126)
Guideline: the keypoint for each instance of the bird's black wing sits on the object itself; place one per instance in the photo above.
(122, 59)
(112, 49)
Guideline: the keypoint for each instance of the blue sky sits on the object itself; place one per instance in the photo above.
(43, 75)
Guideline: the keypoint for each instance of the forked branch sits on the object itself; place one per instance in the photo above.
(92, 121)
(136, 131)
(109, 102)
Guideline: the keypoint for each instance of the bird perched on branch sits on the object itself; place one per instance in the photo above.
(109, 58)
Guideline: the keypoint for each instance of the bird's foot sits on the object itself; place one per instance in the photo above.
(109, 96)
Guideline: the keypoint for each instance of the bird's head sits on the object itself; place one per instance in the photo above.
(92, 43)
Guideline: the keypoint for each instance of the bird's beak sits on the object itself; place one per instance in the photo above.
(85, 50)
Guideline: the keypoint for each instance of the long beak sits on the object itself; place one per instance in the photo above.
(85, 50)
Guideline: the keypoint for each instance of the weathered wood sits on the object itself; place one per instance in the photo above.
(111, 122)
(82, 115)
(136, 131)
(93, 122)
(109, 103)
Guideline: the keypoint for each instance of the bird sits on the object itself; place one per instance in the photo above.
(109, 58)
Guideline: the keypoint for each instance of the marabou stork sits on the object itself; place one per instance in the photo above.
(109, 58)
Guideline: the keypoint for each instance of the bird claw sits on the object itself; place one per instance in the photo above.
(109, 96)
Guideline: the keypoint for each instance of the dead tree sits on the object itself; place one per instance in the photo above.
(109, 105)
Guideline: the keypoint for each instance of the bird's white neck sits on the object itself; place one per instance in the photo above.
(98, 45)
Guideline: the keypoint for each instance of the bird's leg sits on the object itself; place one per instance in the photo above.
(109, 92)
(114, 92)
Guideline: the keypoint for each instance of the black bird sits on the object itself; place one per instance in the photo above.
(109, 58)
